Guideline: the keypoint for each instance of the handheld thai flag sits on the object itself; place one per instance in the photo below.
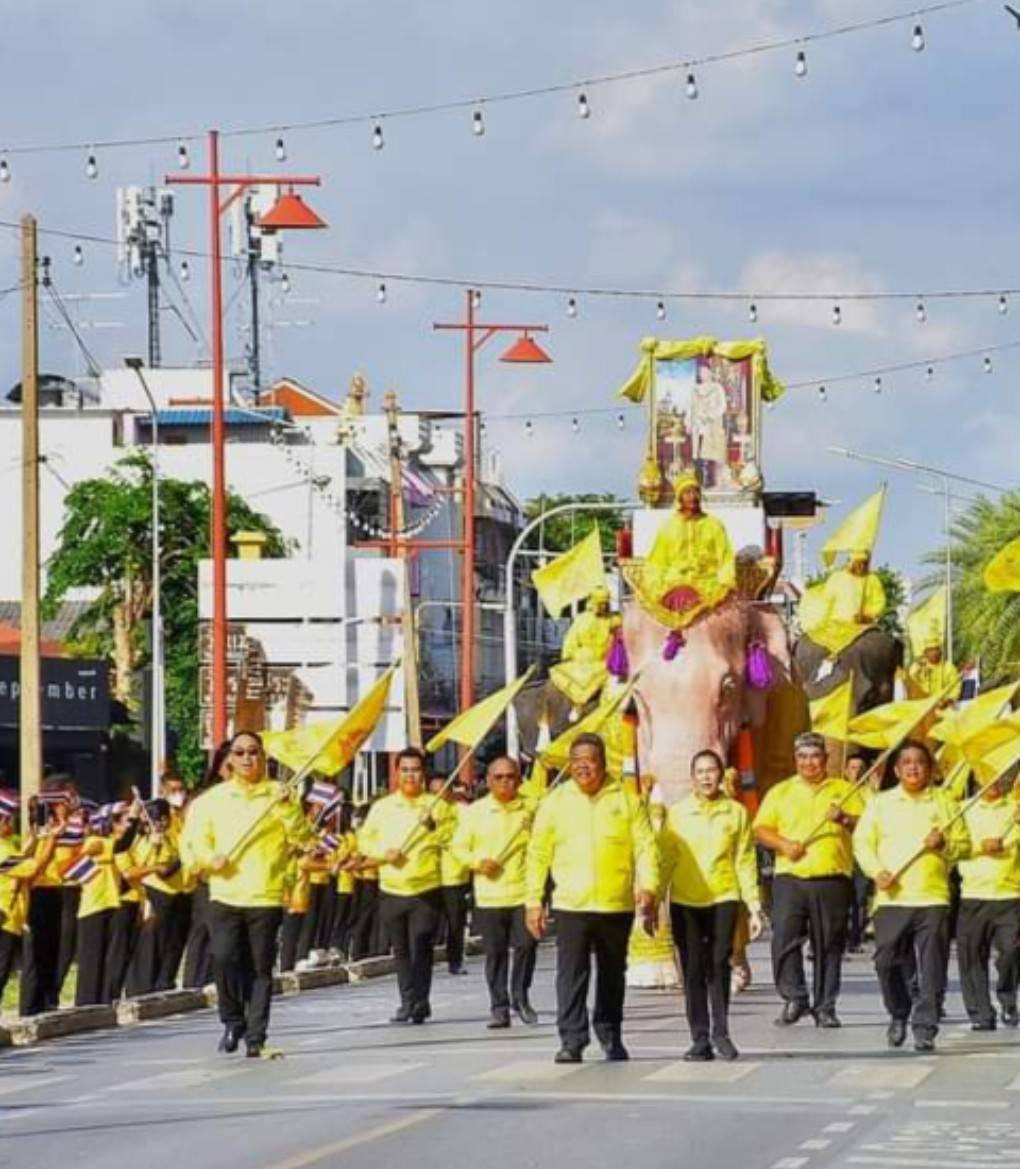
(329, 842)
(72, 835)
(330, 809)
(51, 798)
(11, 862)
(8, 804)
(81, 871)
(321, 793)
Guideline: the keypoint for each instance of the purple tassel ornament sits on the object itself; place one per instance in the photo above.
(617, 662)
(758, 670)
(673, 645)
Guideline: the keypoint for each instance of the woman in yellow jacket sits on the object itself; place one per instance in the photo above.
(710, 849)
(18, 869)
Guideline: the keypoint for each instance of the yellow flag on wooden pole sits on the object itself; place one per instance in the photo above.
(473, 724)
(885, 726)
(926, 624)
(572, 575)
(1002, 572)
(858, 532)
(830, 714)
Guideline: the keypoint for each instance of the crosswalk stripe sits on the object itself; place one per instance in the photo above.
(702, 1073)
(358, 1074)
(874, 1075)
(32, 1082)
(530, 1071)
(182, 1078)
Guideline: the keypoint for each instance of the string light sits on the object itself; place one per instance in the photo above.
(691, 86)
(78, 255)
(5, 170)
(477, 124)
(752, 314)
(91, 167)
(800, 65)
(183, 158)
(822, 394)
(529, 430)
(660, 310)
(572, 307)
(476, 298)
(285, 283)
(185, 271)
(583, 108)
(621, 422)
(917, 39)
(929, 373)
(378, 142)
(988, 364)
(1003, 306)
(921, 312)
(878, 384)
(380, 292)
(837, 315)
(575, 426)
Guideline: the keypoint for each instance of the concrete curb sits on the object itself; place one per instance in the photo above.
(161, 1004)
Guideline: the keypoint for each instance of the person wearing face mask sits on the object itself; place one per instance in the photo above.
(593, 836)
(712, 870)
(241, 832)
(807, 821)
(911, 913)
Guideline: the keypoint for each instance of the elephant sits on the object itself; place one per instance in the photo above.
(701, 698)
(540, 702)
(874, 659)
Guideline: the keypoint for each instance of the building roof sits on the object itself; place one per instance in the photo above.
(299, 400)
(55, 631)
(232, 416)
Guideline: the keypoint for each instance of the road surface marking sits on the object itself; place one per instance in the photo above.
(789, 1162)
(890, 1075)
(962, 1104)
(530, 1071)
(358, 1073)
(813, 1145)
(861, 1110)
(840, 1126)
(390, 1128)
(928, 1162)
(183, 1078)
(32, 1082)
(702, 1073)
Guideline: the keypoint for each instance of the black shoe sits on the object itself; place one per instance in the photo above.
(983, 1025)
(231, 1039)
(498, 1020)
(827, 1019)
(924, 1042)
(896, 1033)
(700, 1052)
(420, 1014)
(791, 1012)
(526, 1012)
(1009, 1015)
(567, 1055)
(253, 1049)
(458, 968)
(401, 1015)
(725, 1049)
(616, 1052)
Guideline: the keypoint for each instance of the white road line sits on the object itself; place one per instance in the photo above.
(929, 1162)
(789, 1162)
(840, 1126)
(358, 1073)
(861, 1110)
(701, 1073)
(889, 1075)
(962, 1104)
(24, 1085)
(530, 1071)
(183, 1078)
(813, 1145)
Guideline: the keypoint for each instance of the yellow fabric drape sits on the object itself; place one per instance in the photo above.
(692, 551)
(636, 388)
(581, 671)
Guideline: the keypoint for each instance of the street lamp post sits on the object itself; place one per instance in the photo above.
(158, 688)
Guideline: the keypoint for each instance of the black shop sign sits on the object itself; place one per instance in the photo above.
(75, 693)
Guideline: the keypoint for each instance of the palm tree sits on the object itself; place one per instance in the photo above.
(986, 626)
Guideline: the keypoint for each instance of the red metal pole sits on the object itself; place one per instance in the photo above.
(219, 495)
(467, 648)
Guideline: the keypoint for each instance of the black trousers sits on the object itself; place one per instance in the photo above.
(455, 909)
(197, 951)
(290, 935)
(907, 939)
(161, 943)
(70, 898)
(10, 948)
(313, 920)
(340, 927)
(243, 951)
(861, 890)
(811, 909)
(40, 982)
(985, 928)
(412, 923)
(95, 933)
(704, 937)
(365, 919)
(124, 939)
(504, 933)
(580, 936)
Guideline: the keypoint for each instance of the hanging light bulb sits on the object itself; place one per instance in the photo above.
(78, 256)
(280, 150)
(378, 142)
(752, 313)
(800, 65)
(583, 108)
(929, 373)
(185, 271)
(878, 385)
(380, 292)
(91, 167)
(917, 39)
(575, 426)
(691, 88)
(476, 298)
(837, 315)
(1003, 302)
(822, 394)
(572, 307)
(5, 170)
(285, 283)
(183, 158)
(529, 430)
(481, 426)
(477, 124)
(660, 310)
(988, 364)
(621, 422)
(921, 312)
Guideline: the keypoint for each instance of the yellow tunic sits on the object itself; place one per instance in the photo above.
(837, 611)
(690, 551)
(392, 822)
(935, 679)
(712, 853)
(794, 809)
(992, 876)
(581, 671)
(15, 883)
(490, 830)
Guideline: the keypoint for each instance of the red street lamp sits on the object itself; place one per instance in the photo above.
(289, 211)
(525, 351)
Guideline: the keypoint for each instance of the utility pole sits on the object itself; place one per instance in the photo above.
(30, 714)
(254, 256)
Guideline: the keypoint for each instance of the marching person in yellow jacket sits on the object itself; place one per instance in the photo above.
(18, 869)
(400, 836)
(594, 837)
(712, 870)
(455, 876)
(989, 919)
(241, 832)
(491, 842)
(911, 895)
(806, 821)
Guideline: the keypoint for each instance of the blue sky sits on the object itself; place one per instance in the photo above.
(883, 169)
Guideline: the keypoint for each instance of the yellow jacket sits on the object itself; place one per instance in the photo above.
(597, 849)
(103, 891)
(851, 596)
(348, 847)
(711, 849)
(988, 877)
(690, 551)
(490, 830)
(794, 809)
(149, 853)
(581, 670)
(452, 869)
(893, 828)
(218, 819)
(391, 821)
(936, 679)
(15, 884)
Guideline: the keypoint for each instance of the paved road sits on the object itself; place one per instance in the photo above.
(356, 1091)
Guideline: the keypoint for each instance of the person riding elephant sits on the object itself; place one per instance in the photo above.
(849, 601)
(581, 671)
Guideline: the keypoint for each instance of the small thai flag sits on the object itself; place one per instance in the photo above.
(329, 842)
(321, 793)
(73, 834)
(8, 804)
(81, 871)
(970, 679)
(11, 862)
(57, 796)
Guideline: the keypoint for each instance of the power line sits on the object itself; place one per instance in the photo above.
(477, 102)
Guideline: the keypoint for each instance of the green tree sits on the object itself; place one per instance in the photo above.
(562, 531)
(105, 546)
(986, 625)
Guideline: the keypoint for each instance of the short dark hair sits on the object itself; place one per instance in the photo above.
(912, 745)
(708, 753)
(411, 753)
(245, 735)
(590, 739)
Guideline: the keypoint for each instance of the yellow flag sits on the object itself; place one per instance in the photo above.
(885, 726)
(831, 714)
(473, 724)
(328, 747)
(858, 532)
(571, 576)
(605, 720)
(994, 749)
(955, 727)
(927, 622)
(1002, 572)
